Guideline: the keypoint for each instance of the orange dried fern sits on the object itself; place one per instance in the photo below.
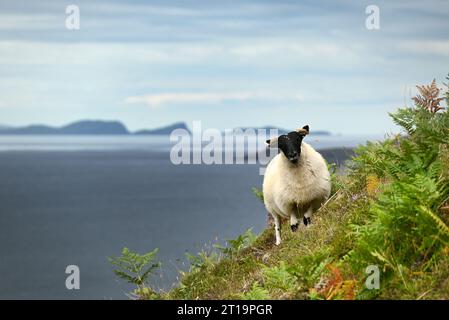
(429, 97)
(372, 184)
(335, 286)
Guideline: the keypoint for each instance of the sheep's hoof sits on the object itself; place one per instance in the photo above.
(294, 227)
(307, 221)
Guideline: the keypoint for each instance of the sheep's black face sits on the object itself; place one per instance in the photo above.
(290, 145)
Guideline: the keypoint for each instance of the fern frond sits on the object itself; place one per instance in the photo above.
(442, 227)
(429, 97)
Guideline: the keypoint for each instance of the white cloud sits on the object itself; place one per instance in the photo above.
(156, 100)
(51, 53)
(285, 52)
(14, 22)
(146, 9)
(307, 48)
(434, 47)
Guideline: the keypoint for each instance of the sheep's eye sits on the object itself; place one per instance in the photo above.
(295, 137)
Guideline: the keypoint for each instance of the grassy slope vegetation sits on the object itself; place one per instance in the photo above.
(391, 210)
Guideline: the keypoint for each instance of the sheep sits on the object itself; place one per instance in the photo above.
(296, 182)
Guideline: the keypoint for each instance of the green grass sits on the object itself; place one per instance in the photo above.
(287, 271)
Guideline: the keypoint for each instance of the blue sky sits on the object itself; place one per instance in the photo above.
(226, 63)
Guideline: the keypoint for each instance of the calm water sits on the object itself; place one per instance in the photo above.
(77, 200)
(141, 143)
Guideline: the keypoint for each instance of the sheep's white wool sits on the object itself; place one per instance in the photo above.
(293, 190)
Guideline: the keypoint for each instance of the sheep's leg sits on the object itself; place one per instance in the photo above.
(277, 228)
(307, 219)
(294, 218)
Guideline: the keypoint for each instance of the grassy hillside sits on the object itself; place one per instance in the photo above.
(390, 213)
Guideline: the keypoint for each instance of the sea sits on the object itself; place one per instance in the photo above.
(77, 200)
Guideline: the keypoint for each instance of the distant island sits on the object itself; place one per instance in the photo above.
(101, 127)
(89, 127)
(284, 131)
(167, 130)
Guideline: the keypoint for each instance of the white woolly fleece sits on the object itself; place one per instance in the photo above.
(296, 189)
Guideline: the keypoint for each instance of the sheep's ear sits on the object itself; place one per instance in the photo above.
(304, 130)
(272, 143)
